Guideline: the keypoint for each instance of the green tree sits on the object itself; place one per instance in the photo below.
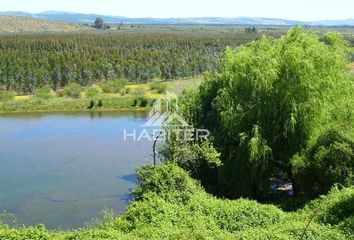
(92, 104)
(100, 103)
(73, 90)
(99, 23)
(269, 99)
(113, 86)
(329, 161)
(6, 95)
(92, 92)
(43, 93)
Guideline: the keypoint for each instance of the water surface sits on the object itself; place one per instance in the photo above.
(62, 169)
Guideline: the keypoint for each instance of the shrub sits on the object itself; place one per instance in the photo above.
(163, 180)
(100, 104)
(113, 86)
(60, 92)
(6, 95)
(143, 102)
(140, 101)
(335, 208)
(135, 102)
(329, 161)
(73, 90)
(43, 93)
(92, 104)
(158, 87)
(92, 91)
(125, 91)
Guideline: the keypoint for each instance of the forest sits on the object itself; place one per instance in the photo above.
(28, 62)
(138, 54)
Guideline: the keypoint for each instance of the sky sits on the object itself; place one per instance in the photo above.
(286, 9)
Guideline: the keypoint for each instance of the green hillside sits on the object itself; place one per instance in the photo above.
(12, 24)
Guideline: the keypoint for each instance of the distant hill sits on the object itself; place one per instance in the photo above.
(17, 24)
(89, 18)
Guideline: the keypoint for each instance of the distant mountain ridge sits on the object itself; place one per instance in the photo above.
(72, 17)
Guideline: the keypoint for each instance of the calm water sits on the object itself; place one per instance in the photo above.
(62, 169)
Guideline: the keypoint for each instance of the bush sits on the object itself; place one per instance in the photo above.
(125, 91)
(6, 95)
(92, 92)
(143, 102)
(92, 105)
(336, 208)
(73, 90)
(164, 180)
(100, 103)
(158, 87)
(112, 86)
(43, 93)
(329, 161)
(135, 102)
(140, 101)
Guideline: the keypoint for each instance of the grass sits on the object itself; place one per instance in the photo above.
(175, 86)
(66, 104)
(110, 101)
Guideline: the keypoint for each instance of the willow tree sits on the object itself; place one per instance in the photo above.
(268, 101)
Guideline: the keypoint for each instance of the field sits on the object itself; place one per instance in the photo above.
(11, 24)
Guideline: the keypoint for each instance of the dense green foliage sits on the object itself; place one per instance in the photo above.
(93, 91)
(268, 102)
(72, 90)
(112, 86)
(6, 95)
(28, 62)
(329, 161)
(43, 92)
(171, 205)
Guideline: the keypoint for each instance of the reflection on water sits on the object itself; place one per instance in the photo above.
(62, 169)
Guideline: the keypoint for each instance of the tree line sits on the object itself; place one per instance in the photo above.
(28, 62)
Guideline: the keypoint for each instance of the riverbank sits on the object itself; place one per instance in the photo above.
(70, 105)
(137, 97)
